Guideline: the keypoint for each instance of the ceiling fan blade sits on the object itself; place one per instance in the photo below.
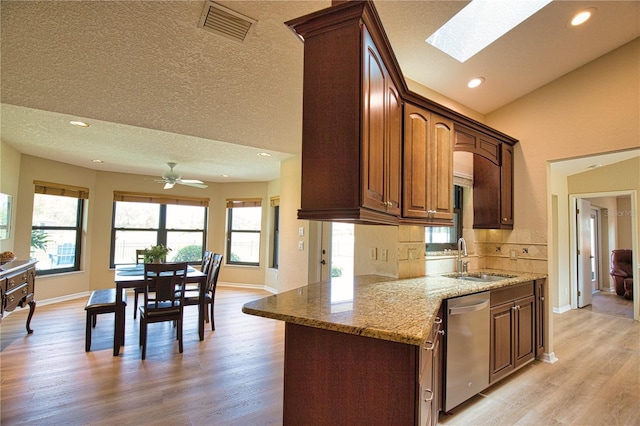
(195, 185)
(190, 181)
(168, 185)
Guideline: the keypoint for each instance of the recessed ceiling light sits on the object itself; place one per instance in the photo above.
(475, 82)
(97, 161)
(224, 176)
(581, 17)
(79, 123)
(479, 24)
(264, 154)
(594, 166)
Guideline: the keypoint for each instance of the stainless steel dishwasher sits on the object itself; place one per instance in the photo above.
(467, 346)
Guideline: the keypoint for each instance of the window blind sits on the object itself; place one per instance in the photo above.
(51, 188)
(233, 203)
(138, 197)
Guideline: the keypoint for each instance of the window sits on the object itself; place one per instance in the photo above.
(439, 238)
(244, 218)
(56, 227)
(275, 247)
(144, 220)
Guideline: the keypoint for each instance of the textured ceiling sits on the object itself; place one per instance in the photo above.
(157, 88)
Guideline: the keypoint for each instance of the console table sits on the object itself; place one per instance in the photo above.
(17, 285)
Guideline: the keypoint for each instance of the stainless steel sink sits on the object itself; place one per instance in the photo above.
(479, 277)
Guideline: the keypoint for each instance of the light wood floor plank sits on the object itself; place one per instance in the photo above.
(234, 376)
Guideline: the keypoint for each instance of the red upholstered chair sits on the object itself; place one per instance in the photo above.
(622, 272)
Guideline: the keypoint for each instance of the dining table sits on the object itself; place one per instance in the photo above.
(132, 276)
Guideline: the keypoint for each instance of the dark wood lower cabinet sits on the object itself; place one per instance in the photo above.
(512, 330)
(333, 378)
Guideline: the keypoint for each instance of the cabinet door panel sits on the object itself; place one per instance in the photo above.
(506, 190)
(524, 328)
(373, 136)
(501, 353)
(416, 140)
(394, 149)
(440, 168)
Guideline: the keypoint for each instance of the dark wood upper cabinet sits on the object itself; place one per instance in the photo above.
(428, 166)
(492, 178)
(354, 167)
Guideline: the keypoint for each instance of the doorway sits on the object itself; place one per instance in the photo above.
(337, 250)
(594, 235)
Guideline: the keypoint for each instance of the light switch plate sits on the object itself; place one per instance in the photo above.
(300, 245)
(301, 231)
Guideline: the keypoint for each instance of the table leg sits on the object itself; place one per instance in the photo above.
(32, 308)
(201, 311)
(118, 332)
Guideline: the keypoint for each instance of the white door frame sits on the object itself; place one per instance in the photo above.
(574, 251)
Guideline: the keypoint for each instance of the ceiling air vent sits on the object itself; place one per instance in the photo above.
(225, 22)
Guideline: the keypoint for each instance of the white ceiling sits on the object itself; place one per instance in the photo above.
(156, 88)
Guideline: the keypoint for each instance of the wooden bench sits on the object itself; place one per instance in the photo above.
(100, 302)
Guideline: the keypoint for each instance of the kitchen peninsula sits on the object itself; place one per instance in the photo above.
(357, 359)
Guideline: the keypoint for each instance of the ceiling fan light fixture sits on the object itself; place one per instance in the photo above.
(581, 17)
(475, 82)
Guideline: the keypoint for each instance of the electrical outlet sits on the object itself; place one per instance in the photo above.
(301, 231)
(384, 254)
(300, 245)
(512, 254)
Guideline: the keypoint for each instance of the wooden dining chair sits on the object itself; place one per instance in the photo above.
(137, 291)
(191, 296)
(163, 298)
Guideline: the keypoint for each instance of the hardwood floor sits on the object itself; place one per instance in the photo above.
(611, 304)
(234, 376)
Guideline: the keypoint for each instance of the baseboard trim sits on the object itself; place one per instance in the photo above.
(251, 286)
(549, 358)
(562, 309)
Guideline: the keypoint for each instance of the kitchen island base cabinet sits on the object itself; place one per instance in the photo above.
(335, 378)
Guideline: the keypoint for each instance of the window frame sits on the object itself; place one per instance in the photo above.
(237, 204)
(61, 190)
(275, 245)
(458, 192)
(161, 231)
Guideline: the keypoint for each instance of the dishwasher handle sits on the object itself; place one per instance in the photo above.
(457, 310)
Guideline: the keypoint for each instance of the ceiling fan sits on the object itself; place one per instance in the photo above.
(170, 178)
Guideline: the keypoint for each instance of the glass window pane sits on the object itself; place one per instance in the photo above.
(246, 218)
(54, 210)
(185, 246)
(245, 246)
(59, 249)
(127, 242)
(185, 217)
(137, 215)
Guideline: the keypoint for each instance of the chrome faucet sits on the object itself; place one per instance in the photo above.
(462, 251)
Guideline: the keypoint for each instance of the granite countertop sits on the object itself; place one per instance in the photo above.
(398, 310)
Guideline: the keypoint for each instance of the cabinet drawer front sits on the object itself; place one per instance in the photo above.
(509, 294)
(13, 298)
(15, 281)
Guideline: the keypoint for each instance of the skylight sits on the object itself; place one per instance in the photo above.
(481, 23)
